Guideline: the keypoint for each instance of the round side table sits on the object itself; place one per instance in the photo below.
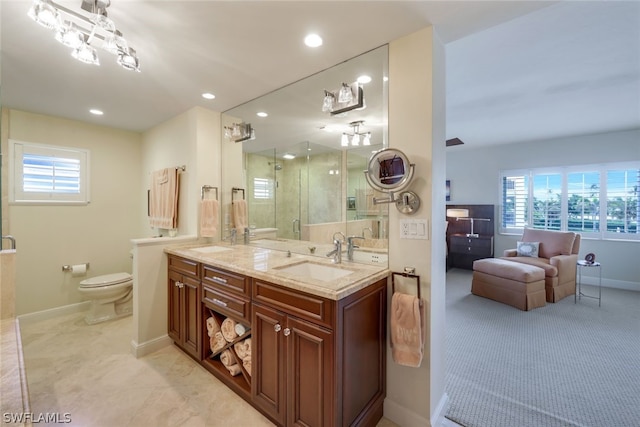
(580, 266)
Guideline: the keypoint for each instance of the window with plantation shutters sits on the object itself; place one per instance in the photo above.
(48, 174)
(597, 201)
(262, 188)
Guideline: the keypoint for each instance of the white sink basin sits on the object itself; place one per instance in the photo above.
(315, 271)
(211, 249)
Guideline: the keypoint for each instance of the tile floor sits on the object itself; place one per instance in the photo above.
(89, 373)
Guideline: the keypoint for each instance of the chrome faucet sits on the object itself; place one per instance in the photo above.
(247, 235)
(370, 231)
(233, 235)
(336, 253)
(351, 246)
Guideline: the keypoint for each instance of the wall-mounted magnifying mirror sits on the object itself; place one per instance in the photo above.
(389, 170)
(302, 165)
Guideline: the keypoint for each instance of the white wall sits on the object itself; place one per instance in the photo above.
(99, 233)
(416, 126)
(474, 175)
(191, 139)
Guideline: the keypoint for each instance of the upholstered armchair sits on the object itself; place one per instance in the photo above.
(556, 252)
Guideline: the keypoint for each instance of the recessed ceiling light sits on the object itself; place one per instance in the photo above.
(208, 95)
(96, 112)
(364, 79)
(313, 40)
(261, 114)
(288, 156)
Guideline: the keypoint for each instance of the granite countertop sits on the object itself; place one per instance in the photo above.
(264, 264)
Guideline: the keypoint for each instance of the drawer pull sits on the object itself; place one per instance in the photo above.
(218, 302)
(219, 280)
(277, 327)
(286, 332)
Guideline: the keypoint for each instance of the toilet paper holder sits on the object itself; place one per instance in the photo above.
(69, 268)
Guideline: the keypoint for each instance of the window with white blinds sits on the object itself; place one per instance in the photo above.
(262, 188)
(598, 201)
(48, 174)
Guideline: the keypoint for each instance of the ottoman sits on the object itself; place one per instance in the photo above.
(519, 285)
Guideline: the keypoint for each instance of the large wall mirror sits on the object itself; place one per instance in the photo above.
(301, 169)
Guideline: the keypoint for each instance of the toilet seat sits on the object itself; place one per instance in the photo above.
(106, 280)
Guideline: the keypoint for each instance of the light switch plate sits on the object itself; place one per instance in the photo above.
(414, 229)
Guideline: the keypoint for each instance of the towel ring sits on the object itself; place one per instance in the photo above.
(234, 190)
(206, 188)
(409, 275)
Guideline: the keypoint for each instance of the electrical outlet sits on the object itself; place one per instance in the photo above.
(414, 229)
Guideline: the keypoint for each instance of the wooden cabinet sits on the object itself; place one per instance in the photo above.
(185, 324)
(314, 361)
(464, 250)
(227, 295)
(293, 369)
(319, 362)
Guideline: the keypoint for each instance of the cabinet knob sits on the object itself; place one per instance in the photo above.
(180, 285)
(286, 332)
(277, 327)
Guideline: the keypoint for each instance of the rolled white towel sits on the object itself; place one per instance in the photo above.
(241, 329)
(243, 348)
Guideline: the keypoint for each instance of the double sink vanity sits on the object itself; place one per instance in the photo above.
(316, 331)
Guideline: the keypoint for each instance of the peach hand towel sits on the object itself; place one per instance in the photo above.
(163, 198)
(407, 337)
(240, 219)
(217, 342)
(208, 217)
(212, 326)
(228, 329)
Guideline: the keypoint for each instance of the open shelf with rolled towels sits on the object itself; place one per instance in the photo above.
(227, 348)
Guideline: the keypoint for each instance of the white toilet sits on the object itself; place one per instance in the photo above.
(111, 296)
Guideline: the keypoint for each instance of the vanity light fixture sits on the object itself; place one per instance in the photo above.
(239, 132)
(356, 135)
(83, 32)
(348, 97)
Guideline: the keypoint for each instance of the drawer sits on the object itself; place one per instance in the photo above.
(226, 281)
(227, 304)
(183, 265)
(310, 307)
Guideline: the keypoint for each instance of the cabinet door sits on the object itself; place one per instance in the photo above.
(192, 323)
(175, 307)
(309, 374)
(268, 362)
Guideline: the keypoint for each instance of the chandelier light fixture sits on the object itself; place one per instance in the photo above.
(356, 135)
(82, 32)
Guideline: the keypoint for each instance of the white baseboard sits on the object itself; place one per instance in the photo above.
(403, 416)
(29, 318)
(148, 347)
(611, 283)
(437, 419)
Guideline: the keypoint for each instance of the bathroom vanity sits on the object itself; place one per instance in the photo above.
(317, 330)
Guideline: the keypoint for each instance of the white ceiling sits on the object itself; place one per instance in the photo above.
(516, 71)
